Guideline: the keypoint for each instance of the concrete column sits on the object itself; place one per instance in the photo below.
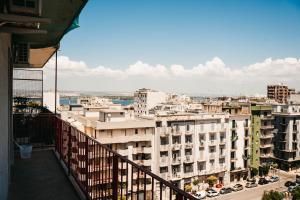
(5, 114)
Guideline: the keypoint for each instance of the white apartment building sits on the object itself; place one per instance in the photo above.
(193, 146)
(178, 146)
(146, 99)
(239, 132)
(287, 136)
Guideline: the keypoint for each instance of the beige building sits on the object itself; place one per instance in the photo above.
(280, 93)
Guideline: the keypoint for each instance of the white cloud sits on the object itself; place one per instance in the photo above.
(213, 76)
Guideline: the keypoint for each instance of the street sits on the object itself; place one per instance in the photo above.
(257, 192)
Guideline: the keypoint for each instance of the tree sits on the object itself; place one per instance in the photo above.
(264, 170)
(272, 195)
(196, 182)
(254, 172)
(211, 180)
(188, 188)
(296, 193)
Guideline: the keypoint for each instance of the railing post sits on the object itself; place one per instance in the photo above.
(179, 196)
(69, 150)
(87, 166)
(115, 178)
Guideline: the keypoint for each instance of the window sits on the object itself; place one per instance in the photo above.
(158, 124)
(136, 131)
(188, 127)
(212, 150)
(163, 169)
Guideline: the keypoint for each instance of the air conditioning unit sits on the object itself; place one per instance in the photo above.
(21, 54)
(26, 7)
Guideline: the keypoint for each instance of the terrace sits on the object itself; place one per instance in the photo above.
(79, 161)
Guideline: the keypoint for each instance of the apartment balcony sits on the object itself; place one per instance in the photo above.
(144, 162)
(212, 143)
(164, 134)
(189, 145)
(268, 155)
(189, 132)
(267, 127)
(202, 143)
(269, 145)
(176, 132)
(123, 152)
(164, 147)
(201, 172)
(164, 161)
(188, 174)
(176, 177)
(144, 150)
(233, 159)
(176, 161)
(223, 155)
(176, 146)
(96, 171)
(267, 117)
(188, 159)
(266, 136)
(212, 156)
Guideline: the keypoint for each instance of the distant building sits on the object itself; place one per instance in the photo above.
(279, 93)
(146, 99)
(287, 124)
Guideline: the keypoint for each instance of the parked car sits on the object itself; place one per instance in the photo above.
(212, 193)
(252, 180)
(238, 187)
(263, 181)
(200, 195)
(226, 190)
(292, 187)
(274, 179)
(289, 183)
(251, 185)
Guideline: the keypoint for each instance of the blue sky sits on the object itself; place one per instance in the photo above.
(116, 34)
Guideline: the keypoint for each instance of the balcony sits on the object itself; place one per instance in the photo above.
(176, 161)
(262, 146)
(267, 117)
(176, 146)
(164, 147)
(164, 161)
(144, 150)
(266, 136)
(97, 171)
(31, 178)
(188, 159)
(266, 127)
(189, 145)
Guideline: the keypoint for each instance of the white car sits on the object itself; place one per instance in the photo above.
(200, 195)
(212, 193)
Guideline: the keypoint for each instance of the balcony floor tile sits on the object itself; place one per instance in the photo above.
(40, 178)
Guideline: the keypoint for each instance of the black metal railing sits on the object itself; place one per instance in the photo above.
(34, 128)
(102, 173)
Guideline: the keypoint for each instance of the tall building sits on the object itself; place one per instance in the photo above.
(262, 135)
(146, 99)
(239, 124)
(287, 124)
(279, 93)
